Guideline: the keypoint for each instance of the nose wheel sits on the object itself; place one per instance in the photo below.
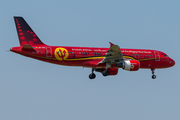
(153, 76)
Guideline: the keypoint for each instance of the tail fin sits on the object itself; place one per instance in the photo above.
(25, 33)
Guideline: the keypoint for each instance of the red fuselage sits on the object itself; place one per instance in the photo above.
(81, 56)
(104, 60)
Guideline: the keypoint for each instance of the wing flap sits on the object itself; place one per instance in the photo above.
(113, 54)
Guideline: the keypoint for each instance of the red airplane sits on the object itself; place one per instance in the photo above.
(104, 60)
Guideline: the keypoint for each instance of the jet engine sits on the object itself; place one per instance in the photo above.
(130, 65)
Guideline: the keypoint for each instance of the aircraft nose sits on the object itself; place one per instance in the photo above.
(172, 62)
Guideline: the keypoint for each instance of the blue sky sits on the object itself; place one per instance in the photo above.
(32, 89)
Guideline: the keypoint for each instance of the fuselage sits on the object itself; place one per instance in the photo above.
(81, 56)
(103, 60)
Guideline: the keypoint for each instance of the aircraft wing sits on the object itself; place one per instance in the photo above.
(113, 55)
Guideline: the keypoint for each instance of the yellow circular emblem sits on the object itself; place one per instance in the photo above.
(132, 66)
(61, 54)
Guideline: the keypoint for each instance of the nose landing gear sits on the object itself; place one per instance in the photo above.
(153, 76)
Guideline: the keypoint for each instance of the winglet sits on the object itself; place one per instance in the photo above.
(111, 44)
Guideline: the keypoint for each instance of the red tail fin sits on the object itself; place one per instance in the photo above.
(25, 33)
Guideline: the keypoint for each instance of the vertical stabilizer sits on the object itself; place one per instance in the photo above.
(25, 33)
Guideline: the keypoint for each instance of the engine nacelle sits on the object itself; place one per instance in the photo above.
(130, 65)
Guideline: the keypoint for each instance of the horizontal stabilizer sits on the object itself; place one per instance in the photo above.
(28, 48)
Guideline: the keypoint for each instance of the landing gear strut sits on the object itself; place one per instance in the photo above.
(153, 76)
(106, 72)
(92, 75)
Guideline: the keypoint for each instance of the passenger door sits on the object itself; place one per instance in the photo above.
(157, 56)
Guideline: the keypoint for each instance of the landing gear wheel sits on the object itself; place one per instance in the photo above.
(153, 76)
(92, 76)
(105, 73)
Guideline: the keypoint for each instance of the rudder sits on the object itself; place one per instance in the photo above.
(25, 33)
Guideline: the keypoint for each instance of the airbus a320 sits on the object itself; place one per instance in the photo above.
(104, 60)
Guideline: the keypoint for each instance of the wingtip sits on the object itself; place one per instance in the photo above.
(111, 44)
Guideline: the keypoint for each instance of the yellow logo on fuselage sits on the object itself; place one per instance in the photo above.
(61, 54)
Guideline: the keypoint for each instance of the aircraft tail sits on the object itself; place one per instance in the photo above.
(26, 35)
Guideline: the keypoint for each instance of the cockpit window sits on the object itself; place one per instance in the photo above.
(166, 56)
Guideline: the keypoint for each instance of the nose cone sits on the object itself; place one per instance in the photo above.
(172, 62)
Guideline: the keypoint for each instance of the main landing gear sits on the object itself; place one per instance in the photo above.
(153, 76)
(103, 71)
(106, 72)
(92, 75)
